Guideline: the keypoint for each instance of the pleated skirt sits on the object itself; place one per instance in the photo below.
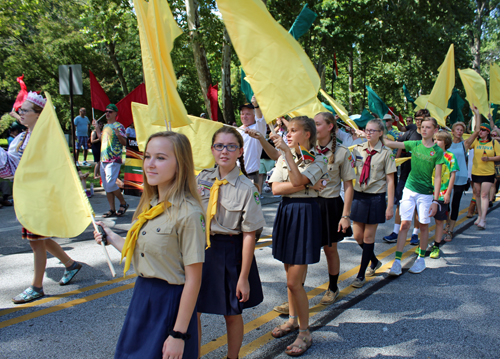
(151, 314)
(221, 272)
(368, 208)
(297, 231)
(331, 212)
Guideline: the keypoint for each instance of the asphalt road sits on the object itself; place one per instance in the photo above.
(448, 311)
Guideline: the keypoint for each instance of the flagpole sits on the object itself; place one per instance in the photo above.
(110, 264)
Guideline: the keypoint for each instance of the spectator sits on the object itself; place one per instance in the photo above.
(82, 135)
(113, 138)
(95, 141)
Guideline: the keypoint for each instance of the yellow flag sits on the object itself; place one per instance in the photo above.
(279, 71)
(199, 133)
(340, 110)
(495, 84)
(157, 31)
(50, 200)
(422, 102)
(443, 87)
(475, 89)
(310, 110)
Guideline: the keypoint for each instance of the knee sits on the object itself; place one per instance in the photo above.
(405, 225)
(232, 319)
(294, 285)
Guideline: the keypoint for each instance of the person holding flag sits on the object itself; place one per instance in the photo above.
(166, 247)
(297, 226)
(9, 160)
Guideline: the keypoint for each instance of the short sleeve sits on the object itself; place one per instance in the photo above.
(192, 236)
(440, 158)
(315, 170)
(252, 217)
(347, 167)
(454, 164)
(390, 164)
(277, 175)
(496, 147)
(121, 129)
(410, 145)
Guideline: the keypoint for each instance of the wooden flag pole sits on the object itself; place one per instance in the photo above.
(110, 264)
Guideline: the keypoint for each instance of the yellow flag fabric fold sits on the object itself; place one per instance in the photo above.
(340, 110)
(475, 89)
(439, 114)
(495, 84)
(133, 233)
(310, 110)
(443, 87)
(212, 204)
(199, 133)
(50, 200)
(157, 32)
(279, 71)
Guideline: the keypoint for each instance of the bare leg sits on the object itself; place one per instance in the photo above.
(40, 262)
(332, 258)
(403, 231)
(424, 236)
(85, 153)
(477, 193)
(118, 194)
(56, 250)
(439, 231)
(485, 192)
(111, 200)
(261, 181)
(234, 327)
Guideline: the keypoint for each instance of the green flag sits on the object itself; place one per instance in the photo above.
(363, 120)
(329, 108)
(303, 22)
(456, 103)
(245, 87)
(375, 104)
(408, 96)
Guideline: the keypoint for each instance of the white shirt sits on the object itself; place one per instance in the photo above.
(347, 140)
(252, 149)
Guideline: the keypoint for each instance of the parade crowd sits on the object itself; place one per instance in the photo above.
(192, 238)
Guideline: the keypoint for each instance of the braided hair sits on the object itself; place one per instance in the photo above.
(330, 120)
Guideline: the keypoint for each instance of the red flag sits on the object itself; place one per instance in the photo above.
(21, 96)
(125, 105)
(214, 104)
(98, 97)
(335, 63)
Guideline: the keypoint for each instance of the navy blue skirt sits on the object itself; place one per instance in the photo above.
(221, 272)
(297, 231)
(368, 208)
(151, 314)
(331, 212)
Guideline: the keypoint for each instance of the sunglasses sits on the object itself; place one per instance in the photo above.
(109, 111)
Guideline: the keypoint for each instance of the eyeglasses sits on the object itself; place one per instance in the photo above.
(483, 129)
(220, 147)
(109, 111)
(22, 111)
(371, 131)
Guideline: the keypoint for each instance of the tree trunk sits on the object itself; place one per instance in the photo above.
(482, 10)
(200, 58)
(351, 81)
(227, 102)
(116, 65)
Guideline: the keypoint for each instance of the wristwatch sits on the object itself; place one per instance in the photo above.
(256, 106)
(179, 335)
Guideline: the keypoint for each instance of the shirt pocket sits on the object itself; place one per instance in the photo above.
(159, 237)
(230, 216)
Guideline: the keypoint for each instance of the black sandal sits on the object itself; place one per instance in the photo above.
(122, 210)
(109, 213)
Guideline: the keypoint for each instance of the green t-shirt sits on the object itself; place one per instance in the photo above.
(423, 162)
(451, 165)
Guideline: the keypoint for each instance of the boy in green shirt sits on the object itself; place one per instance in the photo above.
(419, 192)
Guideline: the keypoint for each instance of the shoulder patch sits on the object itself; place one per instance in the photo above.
(202, 222)
(256, 197)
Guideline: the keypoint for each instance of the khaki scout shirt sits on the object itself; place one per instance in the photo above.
(341, 169)
(171, 241)
(314, 170)
(382, 163)
(238, 205)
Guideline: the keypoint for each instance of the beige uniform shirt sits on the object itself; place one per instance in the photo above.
(238, 205)
(314, 170)
(341, 169)
(167, 243)
(382, 163)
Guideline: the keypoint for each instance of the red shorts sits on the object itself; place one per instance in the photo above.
(31, 236)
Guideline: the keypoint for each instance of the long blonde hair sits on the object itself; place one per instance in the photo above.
(184, 182)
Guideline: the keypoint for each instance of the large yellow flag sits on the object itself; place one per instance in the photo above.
(475, 89)
(340, 110)
(50, 200)
(157, 31)
(199, 133)
(443, 87)
(495, 84)
(310, 110)
(439, 114)
(279, 71)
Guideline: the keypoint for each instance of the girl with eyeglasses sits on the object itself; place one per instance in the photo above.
(375, 168)
(230, 281)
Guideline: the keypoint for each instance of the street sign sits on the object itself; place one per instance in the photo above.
(77, 83)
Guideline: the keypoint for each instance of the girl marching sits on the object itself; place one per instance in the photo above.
(166, 247)
(231, 280)
(375, 168)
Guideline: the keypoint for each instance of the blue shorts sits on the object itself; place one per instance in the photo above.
(82, 141)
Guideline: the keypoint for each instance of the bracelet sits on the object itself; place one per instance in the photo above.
(179, 335)
(348, 217)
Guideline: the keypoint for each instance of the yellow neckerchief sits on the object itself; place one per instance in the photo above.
(212, 204)
(133, 233)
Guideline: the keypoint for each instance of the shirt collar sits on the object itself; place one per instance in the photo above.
(378, 146)
(231, 176)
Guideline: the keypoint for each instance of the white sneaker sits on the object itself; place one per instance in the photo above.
(418, 266)
(395, 269)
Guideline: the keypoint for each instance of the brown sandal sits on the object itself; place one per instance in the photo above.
(307, 342)
(280, 332)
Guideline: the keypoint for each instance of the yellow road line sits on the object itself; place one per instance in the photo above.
(64, 295)
(62, 306)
